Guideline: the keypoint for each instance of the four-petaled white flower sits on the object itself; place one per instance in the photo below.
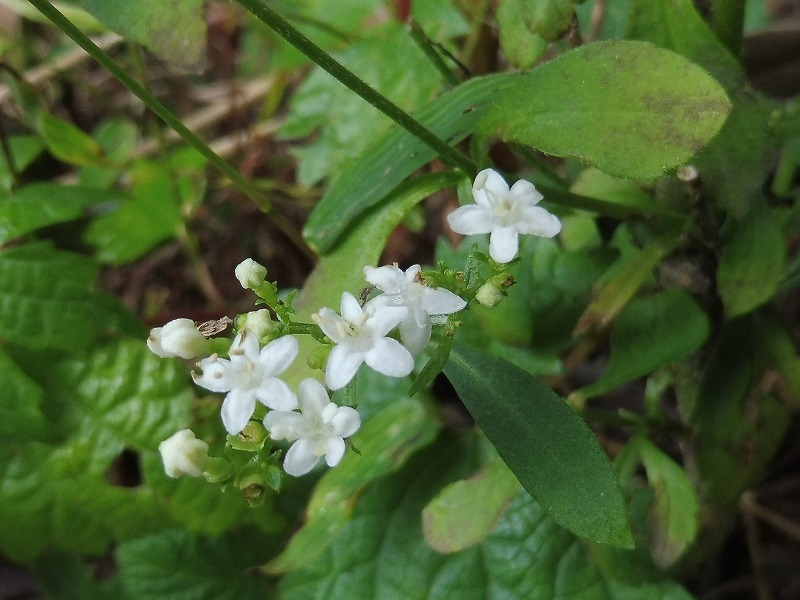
(504, 214)
(318, 430)
(406, 289)
(179, 337)
(183, 454)
(248, 376)
(360, 337)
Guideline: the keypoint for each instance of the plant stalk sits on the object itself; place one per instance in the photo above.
(449, 155)
(236, 178)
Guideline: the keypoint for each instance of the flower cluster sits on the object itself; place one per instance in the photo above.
(360, 333)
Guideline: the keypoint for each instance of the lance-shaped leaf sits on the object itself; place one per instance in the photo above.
(629, 108)
(549, 448)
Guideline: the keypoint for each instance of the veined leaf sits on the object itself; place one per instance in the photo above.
(549, 448)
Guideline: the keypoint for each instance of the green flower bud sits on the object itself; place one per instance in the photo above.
(318, 357)
(250, 439)
(252, 485)
(260, 323)
(489, 295)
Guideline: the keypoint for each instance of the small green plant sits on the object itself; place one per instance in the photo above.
(305, 448)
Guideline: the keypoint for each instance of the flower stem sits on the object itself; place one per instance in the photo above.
(238, 180)
(429, 49)
(449, 155)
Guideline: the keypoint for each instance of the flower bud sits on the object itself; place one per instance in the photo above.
(250, 439)
(178, 338)
(183, 454)
(260, 323)
(318, 357)
(250, 274)
(492, 292)
(252, 485)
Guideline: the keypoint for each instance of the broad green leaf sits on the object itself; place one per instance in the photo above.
(347, 124)
(385, 442)
(648, 334)
(24, 150)
(176, 565)
(751, 263)
(676, 25)
(341, 270)
(619, 290)
(174, 30)
(80, 18)
(381, 552)
(59, 494)
(21, 416)
(387, 162)
(69, 577)
(467, 511)
(68, 143)
(46, 298)
(675, 514)
(117, 138)
(549, 448)
(522, 46)
(41, 204)
(146, 218)
(629, 108)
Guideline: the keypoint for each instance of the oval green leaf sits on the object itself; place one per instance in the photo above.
(549, 448)
(629, 108)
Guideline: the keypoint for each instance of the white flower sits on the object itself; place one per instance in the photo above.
(504, 214)
(177, 338)
(183, 454)
(318, 430)
(406, 289)
(248, 376)
(360, 337)
(250, 274)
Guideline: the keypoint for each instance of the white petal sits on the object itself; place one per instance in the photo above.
(439, 301)
(412, 272)
(334, 451)
(488, 183)
(275, 394)
(385, 318)
(388, 278)
(247, 343)
(537, 221)
(350, 308)
(342, 366)
(276, 356)
(470, 220)
(300, 458)
(154, 342)
(237, 408)
(346, 421)
(215, 374)
(313, 396)
(414, 337)
(525, 192)
(329, 322)
(390, 357)
(284, 425)
(503, 244)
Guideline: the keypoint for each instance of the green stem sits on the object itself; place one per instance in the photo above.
(170, 119)
(449, 155)
(306, 329)
(727, 20)
(429, 49)
(8, 155)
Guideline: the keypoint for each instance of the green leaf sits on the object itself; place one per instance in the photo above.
(751, 263)
(68, 143)
(548, 18)
(467, 511)
(549, 448)
(347, 124)
(21, 416)
(648, 334)
(381, 552)
(24, 150)
(176, 565)
(522, 46)
(41, 204)
(148, 217)
(629, 108)
(60, 494)
(117, 138)
(385, 442)
(175, 30)
(675, 514)
(387, 162)
(40, 307)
